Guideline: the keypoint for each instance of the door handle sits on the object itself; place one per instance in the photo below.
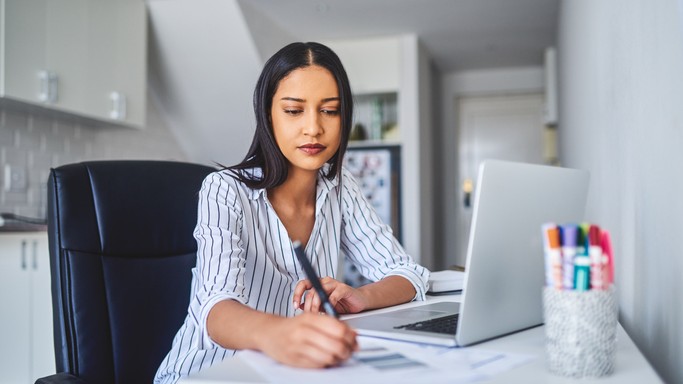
(467, 188)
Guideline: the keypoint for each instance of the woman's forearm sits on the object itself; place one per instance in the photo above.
(233, 325)
(391, 290)
(308, 340)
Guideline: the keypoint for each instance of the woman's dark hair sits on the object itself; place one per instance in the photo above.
(264, 152)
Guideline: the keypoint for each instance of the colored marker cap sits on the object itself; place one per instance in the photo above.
(570, 235)
(594, 235)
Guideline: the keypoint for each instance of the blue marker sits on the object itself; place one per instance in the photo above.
(569, 234)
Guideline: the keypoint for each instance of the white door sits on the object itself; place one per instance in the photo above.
(504, 127)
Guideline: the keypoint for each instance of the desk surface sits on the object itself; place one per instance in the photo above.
(630, 366)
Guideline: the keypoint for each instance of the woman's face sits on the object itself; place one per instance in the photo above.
(306, 119)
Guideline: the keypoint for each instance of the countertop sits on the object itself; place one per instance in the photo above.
(14, 223)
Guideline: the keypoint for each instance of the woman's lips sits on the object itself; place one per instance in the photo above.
(312, 149)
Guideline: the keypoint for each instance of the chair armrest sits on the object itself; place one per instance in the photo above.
(61, 378)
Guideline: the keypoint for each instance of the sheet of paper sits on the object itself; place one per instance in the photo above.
(395, 363)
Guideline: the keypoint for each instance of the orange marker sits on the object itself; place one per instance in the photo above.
(553, 255)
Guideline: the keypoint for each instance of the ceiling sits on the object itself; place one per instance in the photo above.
(458, 34)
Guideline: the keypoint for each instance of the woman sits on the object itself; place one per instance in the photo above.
(247, 286)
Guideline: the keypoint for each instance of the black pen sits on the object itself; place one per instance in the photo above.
(313, 278)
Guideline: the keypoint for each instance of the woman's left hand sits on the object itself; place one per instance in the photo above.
(344, 298)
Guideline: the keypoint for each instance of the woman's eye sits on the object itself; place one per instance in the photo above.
(330, 112)
(293, 111)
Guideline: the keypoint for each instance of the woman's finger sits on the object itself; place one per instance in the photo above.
(301, 287)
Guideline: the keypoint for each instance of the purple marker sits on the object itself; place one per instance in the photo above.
(570, 236)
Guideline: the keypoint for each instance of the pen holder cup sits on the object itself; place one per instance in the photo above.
(580, 331)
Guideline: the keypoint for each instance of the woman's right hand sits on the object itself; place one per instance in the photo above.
(309, 340)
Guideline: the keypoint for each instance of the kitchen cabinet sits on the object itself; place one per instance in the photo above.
(375, 119)
(82, 58)
(27, 347)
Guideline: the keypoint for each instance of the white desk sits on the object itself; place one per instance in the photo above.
(631, 366)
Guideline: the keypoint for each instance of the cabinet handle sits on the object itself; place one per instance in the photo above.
(34, 254)
(48, 86)
(23, 255)
(118, 106)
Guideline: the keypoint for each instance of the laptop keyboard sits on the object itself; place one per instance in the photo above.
(445, 324)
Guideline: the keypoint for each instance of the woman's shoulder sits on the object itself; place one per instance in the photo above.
(232, 179)
(349, 183)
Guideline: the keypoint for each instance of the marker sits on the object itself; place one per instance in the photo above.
(595, 253)
(582, 268)
(313, 278)
(582, 240)
(553, 256)
(569, 234)
(607, 258)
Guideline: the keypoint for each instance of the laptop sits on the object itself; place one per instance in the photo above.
(504, 270)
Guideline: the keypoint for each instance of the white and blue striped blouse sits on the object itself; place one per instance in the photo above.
(245, 254)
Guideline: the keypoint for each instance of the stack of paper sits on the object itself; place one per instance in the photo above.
(446, 281)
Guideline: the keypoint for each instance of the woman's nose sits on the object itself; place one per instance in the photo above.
(313, 126)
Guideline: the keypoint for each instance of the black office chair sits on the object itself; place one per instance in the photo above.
(121, 254)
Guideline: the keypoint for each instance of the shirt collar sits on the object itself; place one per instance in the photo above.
(323, 187)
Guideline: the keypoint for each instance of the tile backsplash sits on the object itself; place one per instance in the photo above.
(31, 144)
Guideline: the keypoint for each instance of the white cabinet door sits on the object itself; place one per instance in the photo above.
(23, 33)
(67, 52)
(15, 321)
(98, 48)
(27, 348)
(42, 337)
(117, 62)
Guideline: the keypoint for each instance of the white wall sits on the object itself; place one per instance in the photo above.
(427, 131)
(266, 35)
(203, 69)
(621, 117)
(417, 208)
(452, 86)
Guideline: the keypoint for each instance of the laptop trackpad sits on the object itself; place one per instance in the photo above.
(404, 316)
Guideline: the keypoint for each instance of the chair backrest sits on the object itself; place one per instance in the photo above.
(121, 254)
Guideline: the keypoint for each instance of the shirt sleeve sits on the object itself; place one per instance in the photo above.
(219, 273)
(370, 244)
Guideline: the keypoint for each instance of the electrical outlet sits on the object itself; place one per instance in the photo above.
(15, 178)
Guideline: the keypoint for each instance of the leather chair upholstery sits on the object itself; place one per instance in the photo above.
(121, 254)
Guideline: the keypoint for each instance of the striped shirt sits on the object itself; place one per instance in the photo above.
(245, 254)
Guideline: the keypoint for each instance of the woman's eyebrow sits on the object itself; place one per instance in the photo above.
(293, 99)
(325, 100)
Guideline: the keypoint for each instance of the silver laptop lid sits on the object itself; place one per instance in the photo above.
(505, 270)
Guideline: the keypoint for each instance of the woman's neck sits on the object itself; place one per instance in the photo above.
(294, 203)
(297, 191)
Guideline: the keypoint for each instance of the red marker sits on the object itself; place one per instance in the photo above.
(597, 275)
(607, 258)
